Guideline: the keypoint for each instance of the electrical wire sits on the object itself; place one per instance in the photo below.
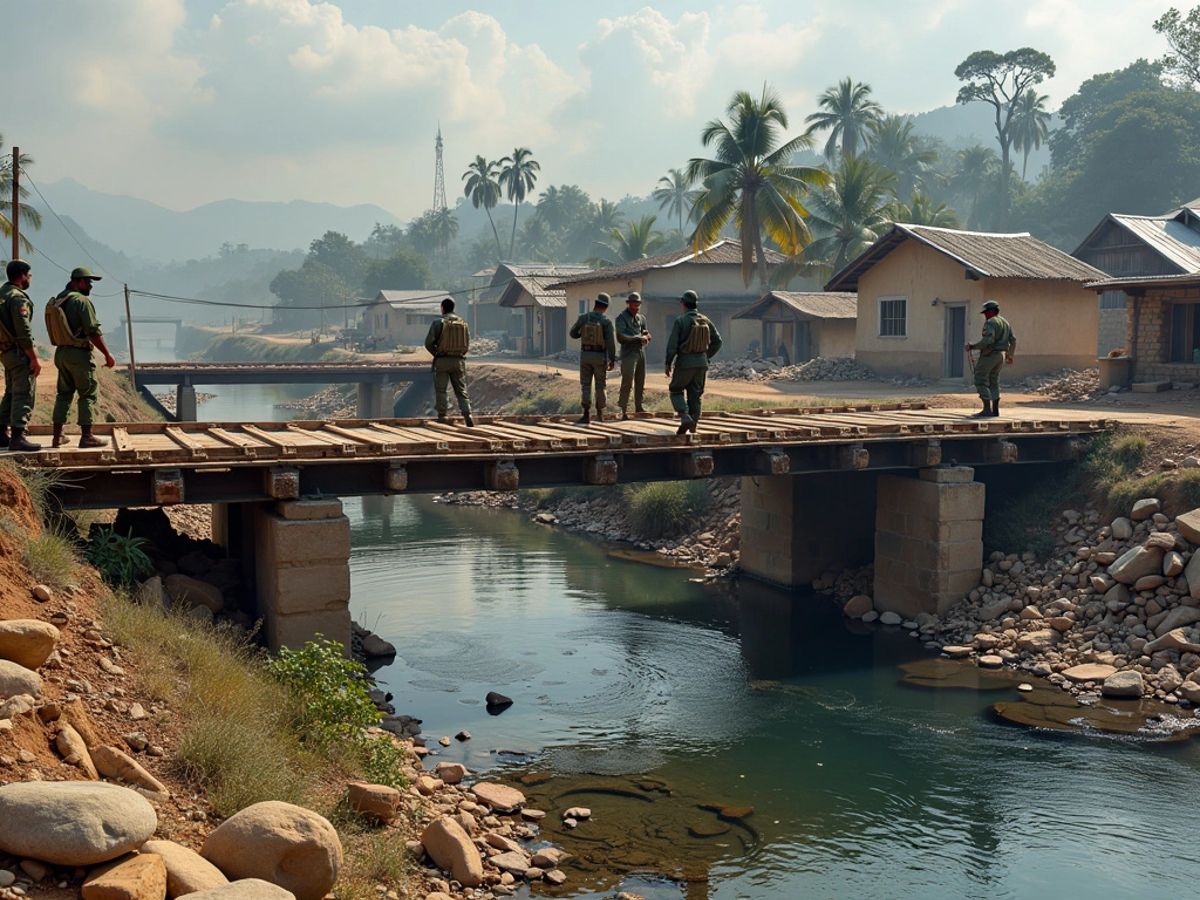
(79, 243)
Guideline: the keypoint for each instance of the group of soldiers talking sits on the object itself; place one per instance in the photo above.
(74, 332)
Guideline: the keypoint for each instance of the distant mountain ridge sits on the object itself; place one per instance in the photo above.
(147, 232)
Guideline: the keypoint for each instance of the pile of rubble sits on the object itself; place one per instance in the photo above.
(1066, 385)
(833, 368)
(481, 346)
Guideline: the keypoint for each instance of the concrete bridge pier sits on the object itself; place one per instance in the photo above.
(924, 533)
(297, 553)
(372, 401)
(185, 403)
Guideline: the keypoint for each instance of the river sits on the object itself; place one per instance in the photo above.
(654, 701)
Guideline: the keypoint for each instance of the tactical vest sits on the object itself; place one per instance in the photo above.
(455, 340)
(59, 329)
(591, 336)
(698, 338)
(1004, 334)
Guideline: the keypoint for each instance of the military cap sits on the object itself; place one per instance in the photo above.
(634, 297)
(990, 306)
(689, 299)
(83, 272)
(602, 299)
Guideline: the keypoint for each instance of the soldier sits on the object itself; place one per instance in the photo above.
(996, 347)
(21, 364)
(74, 331)
(597, 356)
(694, 341)
(633, 336)
(448, 340)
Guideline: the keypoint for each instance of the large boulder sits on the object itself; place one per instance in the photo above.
(1175, 639)
(73, 823)
(375, 801)
(1144, 509)
(451, 848)
(1189, 526)
(187, 870)
(1089, 672)
(187, 591)
(137, 878)
(1178, 617)
(1038, 641)
(245, 889)
(1126, 684)
(500, 797)
(1135, 563)
(284, 844)
(16, 679)
(27, 642)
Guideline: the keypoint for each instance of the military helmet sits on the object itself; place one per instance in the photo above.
(990, 306)
(84, 272)
(689, 295)
(634, 297)
(602, 299)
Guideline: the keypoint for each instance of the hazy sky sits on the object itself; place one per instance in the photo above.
(187, 101)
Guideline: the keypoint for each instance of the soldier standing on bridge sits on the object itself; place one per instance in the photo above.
(694, 341)
(74, 331)
(21, 364)
(448, 340)
(597, 356)
(995, 348)
(633, 336)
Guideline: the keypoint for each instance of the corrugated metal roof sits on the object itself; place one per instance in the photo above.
(506, 272)
(1167, 235)
(1183, 279)
(724, 252)
(806, 304)
(426, 301)
(983, 254)
(533, 287)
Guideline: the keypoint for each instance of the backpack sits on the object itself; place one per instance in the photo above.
(698, 338)
(57, 326)
(591, 336)
(455, 339)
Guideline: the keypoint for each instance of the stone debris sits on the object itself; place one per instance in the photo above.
(816, 369)
(1066, 385)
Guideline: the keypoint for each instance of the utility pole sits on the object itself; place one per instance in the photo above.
(16, 204)
(129, 337)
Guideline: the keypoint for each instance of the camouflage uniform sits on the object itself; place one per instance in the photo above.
(593, 361)
(20, 387)
(76, 369)
(997, 341)
(690, 369)
(630, 327)
(449, 370)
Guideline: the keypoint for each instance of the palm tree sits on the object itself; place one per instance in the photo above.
(606, 216)
(977, 166)
(848, 111)
(637, 241)
(896, 148)
(483, 189)
(29, 215)
(922, 209)
(850, 214)
(518, 175)
(1030, 124)
(752, 181)
(675, 195)
(445, 227)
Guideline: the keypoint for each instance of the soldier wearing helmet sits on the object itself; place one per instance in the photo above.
(996, 347)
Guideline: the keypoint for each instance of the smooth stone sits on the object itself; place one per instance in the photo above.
(857, 605)
(499, 797)
(27, 642)
(15, 679)
(990, 661)
(142, 877)
(1088, 672)
(245, 889)
(1128, 683)
(187, 870)
(73, 823)
(890, 618)
(1144, 509)
(375, 801)
(452, 849)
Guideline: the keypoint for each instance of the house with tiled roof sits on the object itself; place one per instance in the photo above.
(1125, 246)
(527, 289)
(799, 325)
(920, 290)
(401, 318)
(714, 273)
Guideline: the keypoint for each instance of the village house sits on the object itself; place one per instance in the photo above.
(1124, 246)
(543, 308)
(799, 325)
(397, 318)
(920, 290)
(714, 273)
(1162, 329)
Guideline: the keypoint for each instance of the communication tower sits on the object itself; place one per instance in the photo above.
(439, 175)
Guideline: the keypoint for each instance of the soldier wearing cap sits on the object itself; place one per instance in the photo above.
(597, 356)
(448, 340)
(75, 331)
(997, 346)
(21, 364)
(633, 336)
(694, 341)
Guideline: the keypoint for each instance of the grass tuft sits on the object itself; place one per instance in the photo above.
(665, 508)
(50, 558)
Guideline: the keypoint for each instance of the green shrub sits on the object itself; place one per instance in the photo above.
(540, 403)
(50, 558)
(665, 508)
(384, 762)
(329, 690)
(1128, 451)
(119, 558)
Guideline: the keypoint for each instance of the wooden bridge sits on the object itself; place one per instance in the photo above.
(154, 464)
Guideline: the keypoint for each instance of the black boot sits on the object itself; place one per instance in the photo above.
(996, 407)
(20, 444)
(87, 439)
(441, 417)
(586, 418)
(4, 438)
(624, 415)
(58, 439)
(599, 414)
(685, 424)
(468, 421)
(985, 412)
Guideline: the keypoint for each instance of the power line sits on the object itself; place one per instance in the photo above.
(79, 243)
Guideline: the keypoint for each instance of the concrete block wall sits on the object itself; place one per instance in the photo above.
(302, 571)
(928, 540)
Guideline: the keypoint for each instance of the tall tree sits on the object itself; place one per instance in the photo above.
(637, 241)
(921, 209)
(1097, 94)
(898, 149)
(344, 257)
(29, 215)
(674, 194)
(752, 181)
(849, 214)
(1183, 37)
(1030, 125)
(978, 168)
(482, 188)
(848, 112)
(999, 79)
(518, 175)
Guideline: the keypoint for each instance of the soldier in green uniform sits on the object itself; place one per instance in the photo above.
(597, 356)
(21, 364)
(75, 331)
(997, 346)
(448, 340)
(694, 341)
(633, 336)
